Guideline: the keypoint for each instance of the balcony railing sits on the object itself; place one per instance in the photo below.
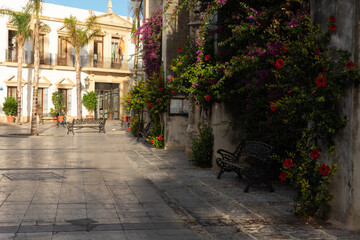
(53, 59)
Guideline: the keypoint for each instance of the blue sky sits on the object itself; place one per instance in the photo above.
(120, 7)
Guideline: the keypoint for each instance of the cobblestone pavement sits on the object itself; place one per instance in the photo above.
(109, 186)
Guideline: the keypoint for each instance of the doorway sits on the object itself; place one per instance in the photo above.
(108, 100)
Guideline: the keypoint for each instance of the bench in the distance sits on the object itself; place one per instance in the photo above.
(98, 124)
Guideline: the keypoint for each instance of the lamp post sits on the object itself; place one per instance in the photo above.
(136, 6)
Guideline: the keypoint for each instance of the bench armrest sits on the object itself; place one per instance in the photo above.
(226, 155)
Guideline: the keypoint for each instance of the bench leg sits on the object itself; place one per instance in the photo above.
(220, 173)
(239, 174)
(268, 183)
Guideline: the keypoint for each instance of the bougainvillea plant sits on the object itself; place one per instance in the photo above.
(150, 32)
(286, 82)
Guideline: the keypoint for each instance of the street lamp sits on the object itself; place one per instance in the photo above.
(136, 6)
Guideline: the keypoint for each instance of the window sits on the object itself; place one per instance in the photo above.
(98, 51)
(65, 92)
(12, 47)
(40, 101)
(42, 53)
(179, 106)
(11, 92)
(62, 51)
(117, 51)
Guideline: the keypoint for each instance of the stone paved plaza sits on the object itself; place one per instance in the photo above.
(109, 186)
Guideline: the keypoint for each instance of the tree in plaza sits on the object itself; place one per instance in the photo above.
(36, 7)
(79, 36)
(21, 22)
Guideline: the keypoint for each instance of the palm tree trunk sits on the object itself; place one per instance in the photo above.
(36, 79)
(137, 44)
(19, 77)
(78, 84)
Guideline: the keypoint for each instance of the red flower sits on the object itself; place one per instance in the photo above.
(159, 100)
(324, 169)
(149, 104)
(173, 91)
(333, 27)
(135, 121)
(290, 91)
(160, 79)
(350, 64)
(206, 58)
(212, 81)
(315, 154)
(273, 106)
(207, 98)
(332, 18)
(152, 141)
(131, 128)
(222, 69)
(282, 177)
(171, 79)
(284, 49)
(320, 81)
(160, 138)
(128, 100)
(179, 49)
(317, 52)
(313, 92)
(161, 89)
(288, 163)
(279, 63)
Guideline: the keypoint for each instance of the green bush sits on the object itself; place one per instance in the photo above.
(10, 106)
(58, 100)
(202, 148)
(90, 101)
(136, 125)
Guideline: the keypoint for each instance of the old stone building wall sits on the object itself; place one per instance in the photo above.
(346, 183)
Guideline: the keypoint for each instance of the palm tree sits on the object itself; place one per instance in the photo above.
(135, 27)
(21, 21)
(79, 36)
(36, 6)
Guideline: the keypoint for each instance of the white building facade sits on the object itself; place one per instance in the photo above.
(105, 68)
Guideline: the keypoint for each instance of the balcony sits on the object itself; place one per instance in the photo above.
(52, 59)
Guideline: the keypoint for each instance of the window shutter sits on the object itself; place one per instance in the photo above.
(68, 104)
(45, 103)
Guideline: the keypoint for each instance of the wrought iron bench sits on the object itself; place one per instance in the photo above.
(145, 132)
(250, 159)
(45, 117)
(98, 124)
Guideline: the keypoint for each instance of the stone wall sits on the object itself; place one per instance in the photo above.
(346, 183)
(174, 36)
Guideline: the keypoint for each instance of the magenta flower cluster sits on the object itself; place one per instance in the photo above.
(150, 33)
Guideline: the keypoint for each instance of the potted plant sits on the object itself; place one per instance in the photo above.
(110, 113)
(58, 111)
(10, 108)
(90, 103)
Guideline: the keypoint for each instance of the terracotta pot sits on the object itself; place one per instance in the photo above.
(110, 115)
(54, 119)
(10, 119)
(90, 116)
(60, 118)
